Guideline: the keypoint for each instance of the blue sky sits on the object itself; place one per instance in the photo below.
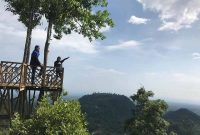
(154, 44)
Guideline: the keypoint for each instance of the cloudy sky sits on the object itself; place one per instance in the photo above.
(154, 44)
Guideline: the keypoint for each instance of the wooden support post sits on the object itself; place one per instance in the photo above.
(9, 105)
(12, 102)
(29, 101)
(1, 76)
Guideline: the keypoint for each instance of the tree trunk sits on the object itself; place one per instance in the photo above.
(27, 49)
(28, 46)
(28, 40)
(22, 94)
(46, 51)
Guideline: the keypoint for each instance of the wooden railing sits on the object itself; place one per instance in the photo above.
(11, 76)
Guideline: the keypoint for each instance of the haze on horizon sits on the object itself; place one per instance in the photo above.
(154, 44)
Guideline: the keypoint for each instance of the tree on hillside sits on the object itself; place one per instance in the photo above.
(62, 118)
(28, 11)
(79, 16)
(148, 115)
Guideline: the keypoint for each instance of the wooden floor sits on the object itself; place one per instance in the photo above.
(29, 87)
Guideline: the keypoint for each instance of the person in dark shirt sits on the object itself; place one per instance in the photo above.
(58, 65)
(35, 62)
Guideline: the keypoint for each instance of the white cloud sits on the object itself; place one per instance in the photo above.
(105, 29)
(8, 18)
(137, 20)
(75, 42)
(12, 31)
(196, 55)
(92, 78)
(184, 86)
(101, 71)
(186, 79)
(39, 34)
(174, 14)
(124, 45)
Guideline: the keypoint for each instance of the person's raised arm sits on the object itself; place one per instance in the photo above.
(65, 59)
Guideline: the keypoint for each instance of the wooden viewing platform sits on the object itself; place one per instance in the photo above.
(18, 94)
(11, 75)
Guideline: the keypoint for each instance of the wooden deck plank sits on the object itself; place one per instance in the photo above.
(29, 87)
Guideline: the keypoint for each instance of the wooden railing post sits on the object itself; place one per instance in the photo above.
(1, 76)
(22, 78)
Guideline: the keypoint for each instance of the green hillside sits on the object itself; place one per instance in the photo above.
(184, 122)
(106, 113)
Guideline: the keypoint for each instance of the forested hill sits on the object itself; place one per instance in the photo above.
(184, 122)
(106, 113)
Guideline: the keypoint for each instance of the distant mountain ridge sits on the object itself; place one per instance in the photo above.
(176, 106)
(183, 113)
(184, 122)
(107, 113)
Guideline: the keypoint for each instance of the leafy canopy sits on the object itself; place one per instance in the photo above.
(62, 118)
(78, 16)
(148, 115)
(26, 9)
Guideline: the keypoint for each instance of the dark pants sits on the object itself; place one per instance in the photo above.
(34, 68)
(59, 72)
(33, 74)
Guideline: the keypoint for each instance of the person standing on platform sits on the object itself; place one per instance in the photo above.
(35, 63)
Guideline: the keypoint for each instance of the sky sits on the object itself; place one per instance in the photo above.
(154, 44)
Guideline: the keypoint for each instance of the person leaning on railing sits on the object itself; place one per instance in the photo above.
(35, 63)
